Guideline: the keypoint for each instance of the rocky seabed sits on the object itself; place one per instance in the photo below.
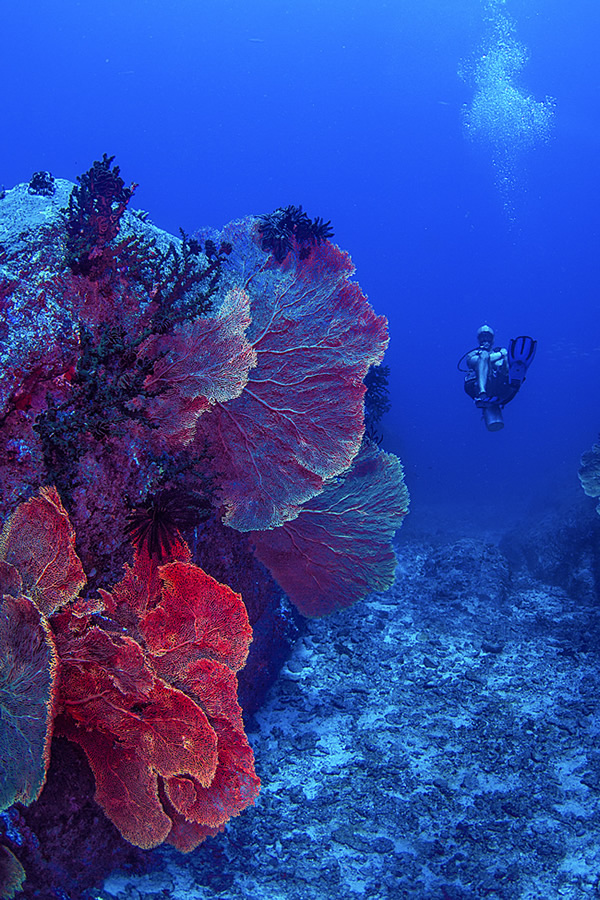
(437, 741)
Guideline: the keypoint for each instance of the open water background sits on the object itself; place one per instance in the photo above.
(224, 108)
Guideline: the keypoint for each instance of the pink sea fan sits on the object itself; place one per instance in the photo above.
(204, 362)
(299, 419)
(338, 549)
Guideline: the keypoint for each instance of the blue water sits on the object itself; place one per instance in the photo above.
(224, 108)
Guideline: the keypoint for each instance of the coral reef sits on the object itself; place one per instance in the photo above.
(92, 218)
(315, 337)
(174, 408)
(147, 682)
(152, 701)
(12, 873)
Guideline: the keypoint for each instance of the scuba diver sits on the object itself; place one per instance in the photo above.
(494, 374)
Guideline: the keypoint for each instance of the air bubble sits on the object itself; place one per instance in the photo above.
(503, 116)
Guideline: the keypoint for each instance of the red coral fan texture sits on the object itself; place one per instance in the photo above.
(150, 697)
(12, 874)
(338, 550)
(203, 363)
(39, 571)
(167, 760)
(28, 678)
(38, 541)
(299, 420)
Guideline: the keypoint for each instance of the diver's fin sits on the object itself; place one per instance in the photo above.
(521, 351)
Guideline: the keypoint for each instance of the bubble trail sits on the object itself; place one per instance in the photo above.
(502, 116)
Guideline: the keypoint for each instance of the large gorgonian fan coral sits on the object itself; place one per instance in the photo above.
(338, 549)
(39, 572)
(28, 682)
(12, 874)
(149, 694)
(299, 420)
(38, 543)
(200, 364)
(157, 716)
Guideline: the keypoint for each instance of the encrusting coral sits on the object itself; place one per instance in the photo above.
(167, 403)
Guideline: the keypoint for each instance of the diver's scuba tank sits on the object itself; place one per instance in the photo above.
(492, 416)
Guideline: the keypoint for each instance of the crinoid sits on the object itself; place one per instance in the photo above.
(156, 524)
(289, 227)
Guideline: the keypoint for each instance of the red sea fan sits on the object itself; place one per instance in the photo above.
(299, 420)
(28, 681)
(147, 682)
(198, 637)
(39, 542)
(195, 617)
(39, 572)
(12, 874)
(338, 550)
(212, 683)
(134, 728)
(157, 714)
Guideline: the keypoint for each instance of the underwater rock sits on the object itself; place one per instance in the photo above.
(559, 548)
(589, 473)
(469, 567)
